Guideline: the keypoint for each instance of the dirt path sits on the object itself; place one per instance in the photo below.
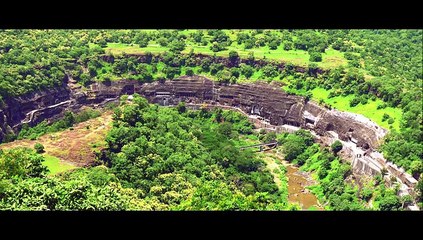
(75, 146)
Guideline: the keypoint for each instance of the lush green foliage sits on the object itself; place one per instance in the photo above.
(39, 148)
(21, 163)
(158, 158)
(336, 146)
(188, 159)
(368, 68)
(295, 144)
(333, 187)
(84, 189)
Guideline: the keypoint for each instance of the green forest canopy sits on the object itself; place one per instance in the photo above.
(364, 64)
(162, 158)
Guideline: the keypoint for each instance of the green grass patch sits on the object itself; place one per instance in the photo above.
(368, 110)
(55, 165)
(252, 137)
(121, 48)
(330, 59)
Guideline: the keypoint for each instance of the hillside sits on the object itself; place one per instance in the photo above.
(375, 73)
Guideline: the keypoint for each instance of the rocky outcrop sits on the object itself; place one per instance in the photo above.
(266, 104)
(349, 126)
(269, 102)
(16, 110)
(265, 100)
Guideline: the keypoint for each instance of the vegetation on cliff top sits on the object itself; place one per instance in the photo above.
(367, 67)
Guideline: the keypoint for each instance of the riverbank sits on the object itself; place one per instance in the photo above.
(297, 181)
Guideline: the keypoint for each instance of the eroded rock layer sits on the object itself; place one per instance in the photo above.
(269, 102)
(265, 100)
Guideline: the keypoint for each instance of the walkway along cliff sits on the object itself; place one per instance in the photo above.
(263, 103)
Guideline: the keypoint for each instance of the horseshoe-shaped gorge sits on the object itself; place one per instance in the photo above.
(267, 105)
(213, 119)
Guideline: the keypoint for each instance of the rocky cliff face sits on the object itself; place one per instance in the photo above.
(15, 110)
(349, 126)
(269, 102)
(265, 100)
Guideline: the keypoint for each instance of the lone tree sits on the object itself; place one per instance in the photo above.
(416, 168)
(39, 148)
(233, 56)
(224, 76)
(181, 107)
(336, 147)
(315, 57)
(273, 45)
(189, 72)
(177, 46)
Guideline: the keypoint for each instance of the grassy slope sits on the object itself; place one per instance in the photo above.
(69, 148)
(368, 110)
(55, 165)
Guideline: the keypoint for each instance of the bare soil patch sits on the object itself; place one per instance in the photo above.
(76, 145)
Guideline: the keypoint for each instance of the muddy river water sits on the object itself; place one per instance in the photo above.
(297, 191)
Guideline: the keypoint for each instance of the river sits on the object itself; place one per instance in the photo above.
(297, 191)
(298, 181)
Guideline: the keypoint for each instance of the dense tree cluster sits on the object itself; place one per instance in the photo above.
(384, 64)
(24, 186)
(157, 159)
(188, 159)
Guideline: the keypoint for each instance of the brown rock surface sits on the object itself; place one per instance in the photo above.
(266, 100)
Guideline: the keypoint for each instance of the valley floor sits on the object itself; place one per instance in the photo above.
(296, 181)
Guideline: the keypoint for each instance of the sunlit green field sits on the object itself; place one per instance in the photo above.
(368, 110)
(331, 58)
(55, 165)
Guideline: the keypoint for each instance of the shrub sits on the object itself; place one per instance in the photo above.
(189, 72)
(336, 146)
(39, 148)
(354, 102)
(385, 117)
(315, 57)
